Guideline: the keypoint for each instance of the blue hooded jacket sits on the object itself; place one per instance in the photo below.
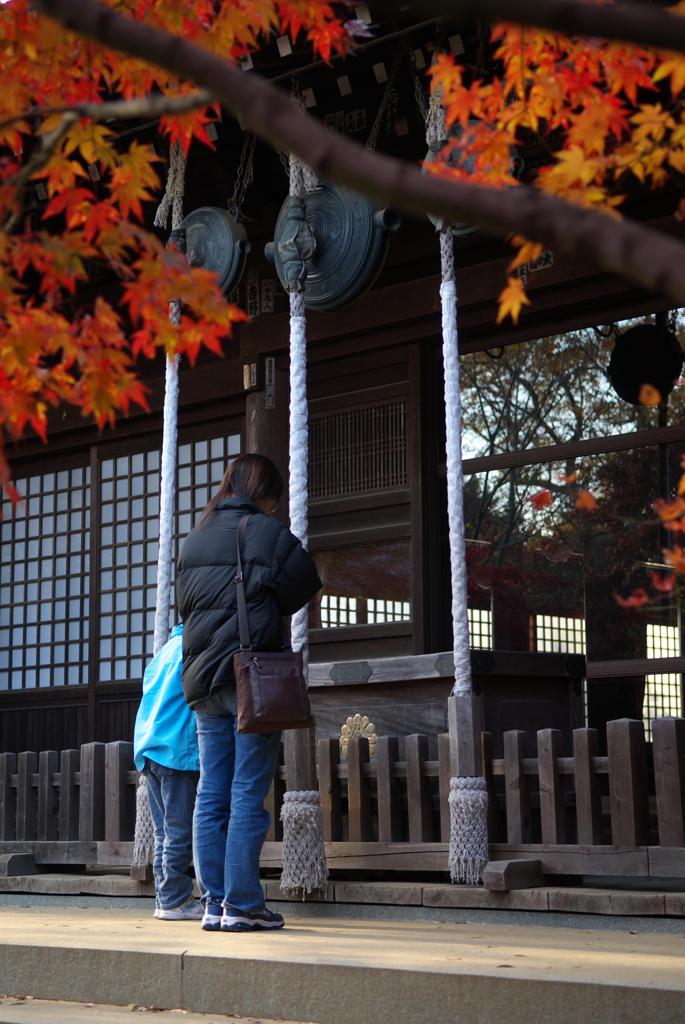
(165, 726)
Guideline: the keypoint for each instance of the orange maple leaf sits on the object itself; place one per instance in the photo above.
(638, 599)
(511, 300)
(543, 499)
(664, 584)
(586, 501)
(649, 395)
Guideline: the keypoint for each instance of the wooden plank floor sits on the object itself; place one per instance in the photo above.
(555, 898)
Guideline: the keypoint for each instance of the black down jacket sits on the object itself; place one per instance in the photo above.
(280, 578)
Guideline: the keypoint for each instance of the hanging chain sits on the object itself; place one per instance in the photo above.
(400, 53)
(420, 96)
(436, 125)
(244, 175)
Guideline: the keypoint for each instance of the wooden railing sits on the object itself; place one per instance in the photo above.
(620, 814)
(75, 806)
(576, 812)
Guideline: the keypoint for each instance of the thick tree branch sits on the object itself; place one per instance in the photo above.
(641, 23)
(643, 256)
(145, 107)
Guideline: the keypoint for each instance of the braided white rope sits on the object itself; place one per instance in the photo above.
(299, 442)
(167, 497)
(144, 838)
(301, 181)
(173, 198)
(468, 800)
(304, 852)
(455, 476)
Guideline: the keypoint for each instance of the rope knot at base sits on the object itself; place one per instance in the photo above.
(144, 839)
(468, 852)
(304, 853)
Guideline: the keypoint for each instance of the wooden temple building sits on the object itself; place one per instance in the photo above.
(570, 682)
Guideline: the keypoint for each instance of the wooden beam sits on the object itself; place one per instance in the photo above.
(588, 806)
(627, 782)
(668, 743)
(505, 875)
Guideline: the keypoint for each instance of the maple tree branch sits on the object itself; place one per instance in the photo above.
(628, 22)
(122, 110)
(645, 257)
(36, 162)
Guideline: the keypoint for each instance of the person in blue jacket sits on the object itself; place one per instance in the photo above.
(166, 750)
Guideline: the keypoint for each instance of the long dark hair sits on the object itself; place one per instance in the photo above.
(249, 476)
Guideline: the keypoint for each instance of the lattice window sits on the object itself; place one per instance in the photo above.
(559, 634)
(358, 450)
(378, 610)
(201, 466)
(338, 611)
(44, 602)
(129, 528)
(562, 634)
(129, 534)
(480, 629)
(662, 690)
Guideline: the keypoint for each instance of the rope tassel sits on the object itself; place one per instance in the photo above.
(144, 839)
(304, 854)
(468, 852)
(172, 201)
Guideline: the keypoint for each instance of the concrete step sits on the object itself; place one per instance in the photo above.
(333, 971)
(49, 1011)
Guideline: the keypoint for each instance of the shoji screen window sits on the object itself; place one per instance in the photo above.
(201, 466)
(480, 629)
(44, 565)
(662, 690)
(560, 633)
(129, 530)
(129, 535)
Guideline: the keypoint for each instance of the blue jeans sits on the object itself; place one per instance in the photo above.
(172, 798)
(230, 823)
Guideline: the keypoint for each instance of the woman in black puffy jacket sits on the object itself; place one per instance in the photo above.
(236, 769)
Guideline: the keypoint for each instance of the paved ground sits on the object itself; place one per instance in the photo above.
(44, 1011)
(334, 971)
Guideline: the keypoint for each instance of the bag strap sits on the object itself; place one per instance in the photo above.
(243, 621)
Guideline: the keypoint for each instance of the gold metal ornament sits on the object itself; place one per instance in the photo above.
(357, 725)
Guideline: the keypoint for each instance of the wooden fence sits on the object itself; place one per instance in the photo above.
(576, 812)
(71, 807)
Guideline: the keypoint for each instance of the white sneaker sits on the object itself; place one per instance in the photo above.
(191, 910)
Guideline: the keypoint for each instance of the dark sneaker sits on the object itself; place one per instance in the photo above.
(235, 920)
(211, 919)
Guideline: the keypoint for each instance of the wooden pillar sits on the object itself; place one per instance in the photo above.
(465, 724)
(266, 424)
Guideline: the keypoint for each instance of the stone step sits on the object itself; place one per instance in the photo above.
(333, 971)
(49, 1011)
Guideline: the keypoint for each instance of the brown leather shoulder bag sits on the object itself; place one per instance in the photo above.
(271, 688)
